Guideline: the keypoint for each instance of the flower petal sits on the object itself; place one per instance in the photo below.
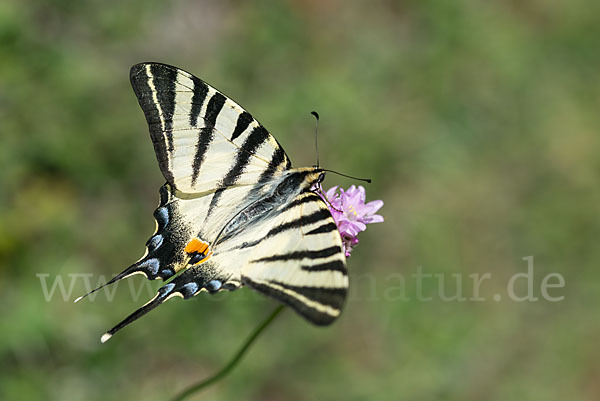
(331, 193)
(373, 206)
(359, 225)
(354, 227)
(375, 218)
(363, 194)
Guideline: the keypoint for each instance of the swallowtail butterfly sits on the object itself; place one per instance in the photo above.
(233, 211)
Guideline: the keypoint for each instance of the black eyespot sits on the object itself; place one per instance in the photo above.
(196, 257)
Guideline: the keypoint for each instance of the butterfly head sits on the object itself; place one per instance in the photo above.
(304, 177)
(321, 177)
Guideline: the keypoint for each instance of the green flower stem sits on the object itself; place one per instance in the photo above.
(238, 356)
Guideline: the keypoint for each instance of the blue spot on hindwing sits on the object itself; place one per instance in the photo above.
(213, 285)
(190, 289)
(162, 217)
(166, 288)
(155, 242)
(166, 273)
(152, 265)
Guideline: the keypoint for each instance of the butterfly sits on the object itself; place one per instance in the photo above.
(233, 212)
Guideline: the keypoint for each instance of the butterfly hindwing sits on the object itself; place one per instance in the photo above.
(206, 277)
(300, 261)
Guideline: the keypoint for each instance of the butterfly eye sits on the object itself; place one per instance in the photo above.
(321, 178)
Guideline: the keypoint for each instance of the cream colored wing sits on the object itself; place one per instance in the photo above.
(300, 261)
(203, 140)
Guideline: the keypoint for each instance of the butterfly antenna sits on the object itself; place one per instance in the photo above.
(314, 113)
(349, 176)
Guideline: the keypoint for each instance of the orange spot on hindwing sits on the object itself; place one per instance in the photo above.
(196, 245)
(198, 250)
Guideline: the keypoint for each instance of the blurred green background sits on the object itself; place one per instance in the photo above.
(478, 121)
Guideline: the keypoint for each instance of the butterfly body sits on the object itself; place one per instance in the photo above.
(233, 211)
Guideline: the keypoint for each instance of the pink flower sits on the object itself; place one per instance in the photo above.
(351, 214)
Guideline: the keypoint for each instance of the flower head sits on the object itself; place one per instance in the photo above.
(351, 213)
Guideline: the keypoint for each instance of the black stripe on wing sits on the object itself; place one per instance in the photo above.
(164, 84)
(278, 159)
(298, 223)
(206, 135)
(302, 221)
(275, 162)
(253, 142)
(334, 265)
(200, 91)
(299, 255)
(309, 197)
(243, 121)
(324, 304)
(325, 228)
(153, 110)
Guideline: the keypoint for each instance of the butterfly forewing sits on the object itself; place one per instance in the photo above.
(203, 140)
